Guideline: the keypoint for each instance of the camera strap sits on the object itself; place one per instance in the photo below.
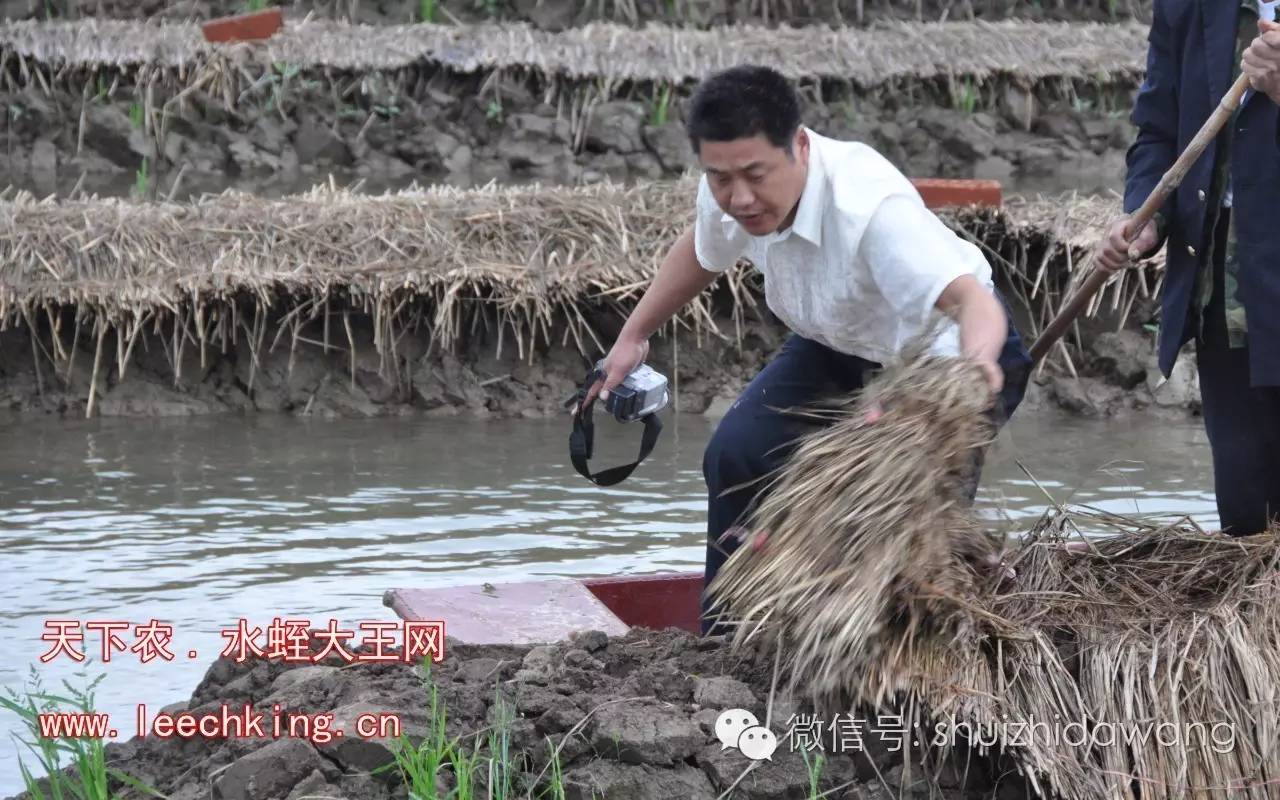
(582, 440)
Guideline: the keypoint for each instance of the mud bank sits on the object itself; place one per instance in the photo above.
(623, 718)
(558, 14)
(478, 378)
(439, 127)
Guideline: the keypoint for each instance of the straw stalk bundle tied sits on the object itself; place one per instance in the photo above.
(869, 538)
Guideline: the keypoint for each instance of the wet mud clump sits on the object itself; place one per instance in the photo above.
(627, 718)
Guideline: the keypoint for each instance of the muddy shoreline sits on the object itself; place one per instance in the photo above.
(476, 379)
(630, 717)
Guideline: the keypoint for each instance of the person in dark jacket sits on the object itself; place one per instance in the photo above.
(1222, 232)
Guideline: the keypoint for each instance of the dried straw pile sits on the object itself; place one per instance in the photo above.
(527, 257)
(1147, 666)
(883, 54)
(530, 251)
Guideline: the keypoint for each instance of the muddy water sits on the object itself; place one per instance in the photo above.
(199, 523)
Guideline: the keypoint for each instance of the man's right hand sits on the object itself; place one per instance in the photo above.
(1117, 252)
(626, 355)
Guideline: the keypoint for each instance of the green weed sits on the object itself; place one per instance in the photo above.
(465, 767)
(968, 100)
(660, 107)
(501, 774)
(555, 791)
(281, 72)
(87, 755)
(421, 766)
(815, 772)
(142, 179)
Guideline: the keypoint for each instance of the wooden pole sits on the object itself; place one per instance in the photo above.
(1168, 182)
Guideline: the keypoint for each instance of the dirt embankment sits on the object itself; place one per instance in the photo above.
(436, 127)
(475, 379)
(624, 718)
(1116, 376)
(558, 14)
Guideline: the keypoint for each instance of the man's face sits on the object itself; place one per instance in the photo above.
(757, 184)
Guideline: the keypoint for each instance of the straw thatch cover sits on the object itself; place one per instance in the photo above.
(867, 57)
(527, 261)
(532, 252)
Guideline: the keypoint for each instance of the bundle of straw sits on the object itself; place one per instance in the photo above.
(869, 536)
(1146, 666)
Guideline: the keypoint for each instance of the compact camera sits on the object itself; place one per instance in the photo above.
(640, 394)
(638, 398)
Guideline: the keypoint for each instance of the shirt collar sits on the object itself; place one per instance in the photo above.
(808, 221)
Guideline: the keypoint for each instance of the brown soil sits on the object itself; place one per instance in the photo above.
(632, 718)
(436, 127)
(476, 379)
(1117, 376)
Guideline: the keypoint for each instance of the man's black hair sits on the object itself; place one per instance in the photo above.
(743, 101)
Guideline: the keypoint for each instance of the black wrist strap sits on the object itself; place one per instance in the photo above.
(582, 441)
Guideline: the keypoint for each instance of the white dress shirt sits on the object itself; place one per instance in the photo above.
(863, 263)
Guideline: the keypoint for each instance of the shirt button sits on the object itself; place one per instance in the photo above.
(1191, 250)
(1200, 194)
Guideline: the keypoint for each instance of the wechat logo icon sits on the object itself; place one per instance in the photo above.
(739, 728)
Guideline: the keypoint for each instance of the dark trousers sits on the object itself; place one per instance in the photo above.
(753, 439)
(1242, 421)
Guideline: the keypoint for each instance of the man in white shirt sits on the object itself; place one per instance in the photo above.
(853, 261)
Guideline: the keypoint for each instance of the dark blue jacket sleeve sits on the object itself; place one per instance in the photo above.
(1155, 113)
